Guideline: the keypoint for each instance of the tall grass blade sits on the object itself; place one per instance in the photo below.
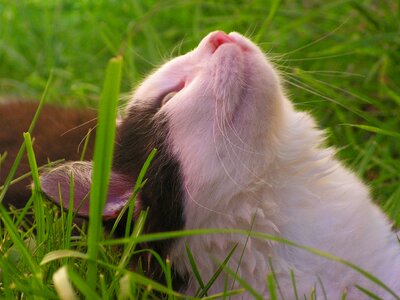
(138, 185)
(143, 280)
(103, 288)
(271, 14)
(68, 225)
(247, 287)
(168, 276)
(276, 283)
(376, 130)
(194, 267)
(22, 214)
(85, 144)
(37, 195)
(19, 243)
(244, 247)
(271, 287)
(322, 288)
(344, 295)
(293, 280)
(370, 294)
(217, 272)
(224, 295)
(159, 259)
(103, 153)
(313, 293)
(82, 285)
(21, 150)
(2, 158)
(129, 249)
(11, 227)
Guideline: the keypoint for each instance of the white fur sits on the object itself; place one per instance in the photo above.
(250, 161)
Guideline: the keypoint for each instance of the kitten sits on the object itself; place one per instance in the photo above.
(234, 153)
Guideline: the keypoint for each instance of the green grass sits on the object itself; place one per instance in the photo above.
(102, 161)
(339, 60)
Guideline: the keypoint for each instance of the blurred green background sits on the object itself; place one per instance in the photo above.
(340, 60)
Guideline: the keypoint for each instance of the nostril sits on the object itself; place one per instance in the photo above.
(219, 38)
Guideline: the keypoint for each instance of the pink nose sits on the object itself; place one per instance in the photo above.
(219, 38)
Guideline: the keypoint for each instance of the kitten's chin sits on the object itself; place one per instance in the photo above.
(227, 66)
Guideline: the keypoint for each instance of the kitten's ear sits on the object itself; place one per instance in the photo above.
(56, 186)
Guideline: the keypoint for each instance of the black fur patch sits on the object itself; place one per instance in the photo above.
(143, 129)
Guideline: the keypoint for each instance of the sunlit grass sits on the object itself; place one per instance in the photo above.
(339, 60)
(102, 161)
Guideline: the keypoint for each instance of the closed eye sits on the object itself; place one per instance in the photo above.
(165, 97)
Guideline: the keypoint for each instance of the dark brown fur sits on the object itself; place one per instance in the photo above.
(59, 132)
(57, 135)
(141, 131)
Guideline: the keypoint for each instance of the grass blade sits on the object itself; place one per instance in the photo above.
(376, 130)
(225, 294)
(8, 222)
(271, 14)
(370, 294)
(217, 273)
(271, 286)
(59, 254)
(247, 287)
(143, 280)
(293, 280)
(129, 249)
(103, 153)
(276, 283)
(82, 285)
(19, 243)
(195, 269)
(21, 150)
(138, 185)
(67, 240)
(36, 193)
(85, 144)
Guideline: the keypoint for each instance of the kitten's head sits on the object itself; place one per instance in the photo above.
(212, 113)
(221, 104)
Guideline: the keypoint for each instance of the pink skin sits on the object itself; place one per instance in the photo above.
(218, 38)
(215, 40)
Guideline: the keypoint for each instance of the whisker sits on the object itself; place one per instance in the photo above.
(238, 159)
(321, 57)
(78, 126)
(292, 70)
(325, 36)
(201, 205)
(313, 91)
